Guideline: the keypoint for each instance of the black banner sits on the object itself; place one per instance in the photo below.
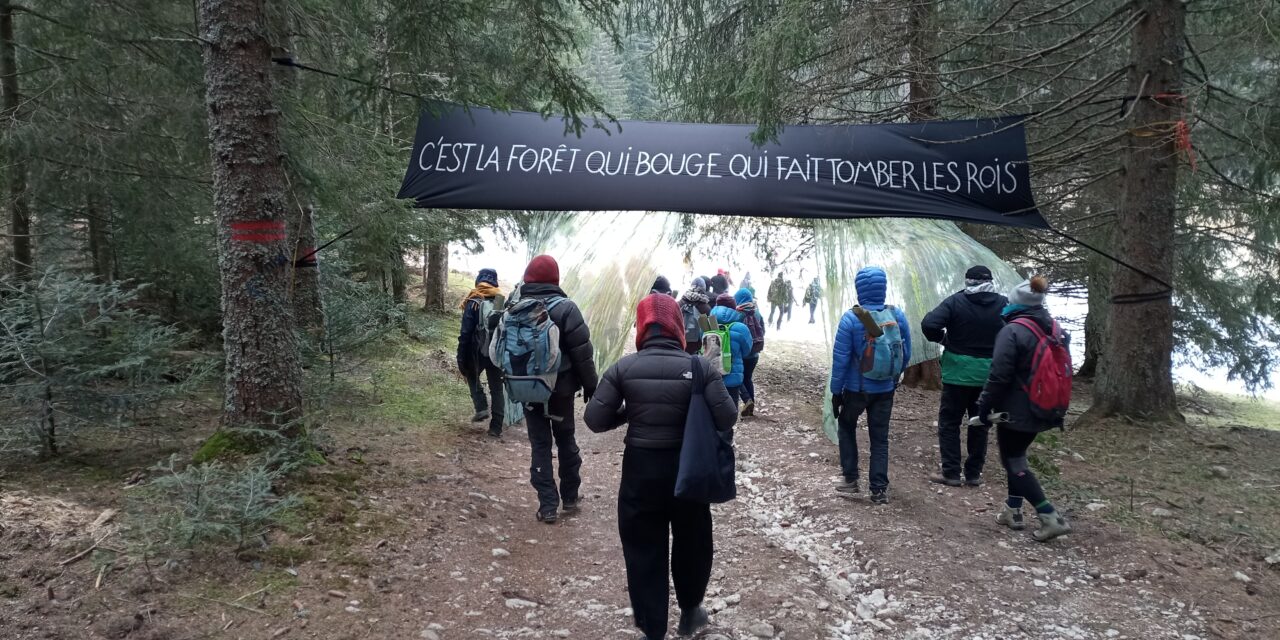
(965, 170)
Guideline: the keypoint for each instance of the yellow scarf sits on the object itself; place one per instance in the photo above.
(482, 290)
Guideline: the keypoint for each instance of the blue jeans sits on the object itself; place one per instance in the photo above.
(878, 407)
(748, 378)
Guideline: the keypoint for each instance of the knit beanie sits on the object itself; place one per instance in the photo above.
(661, 285)
(699, 284)
(978, 272)
(726, 300)
(542, 270)
(659, 314)
(1030, 293)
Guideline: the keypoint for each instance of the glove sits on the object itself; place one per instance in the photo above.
(984, 415)
(586, 395)
(837, 403)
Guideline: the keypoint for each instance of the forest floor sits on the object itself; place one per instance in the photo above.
(420, 527)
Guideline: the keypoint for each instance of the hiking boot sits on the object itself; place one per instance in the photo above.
(496, 434)
(571, 506)
(950, 481)
(973, 481)
(1052, 525)
(691, 621)
(879, 496)
(1011, 518)
(547, 517)
(749, 409)
(848, 486)
(480, 416)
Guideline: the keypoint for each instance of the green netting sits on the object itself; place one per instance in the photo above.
(608, 261)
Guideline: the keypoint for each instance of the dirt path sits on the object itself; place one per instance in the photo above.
(793, 559)
(444, 546)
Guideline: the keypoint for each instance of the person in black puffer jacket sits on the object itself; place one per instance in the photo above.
(966, 323)
(1006, 392)
(577, 371)
(650, 391)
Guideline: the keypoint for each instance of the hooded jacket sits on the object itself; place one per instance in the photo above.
(579, 368)
(746, 301)
(966, 324)
(851, 340)
(1006, 386)
(740, 342)
(650, 390)
(472, 356)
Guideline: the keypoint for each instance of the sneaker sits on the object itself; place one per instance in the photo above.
(973, 481)
(1052, 525)
(480, 416)
(1011, 518)
(547, 517)
(749, 409)
(950, 481)
(571, 506)
(848, 486)
(880, 496)
(691, 621)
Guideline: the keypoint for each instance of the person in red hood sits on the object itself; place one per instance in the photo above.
(577, 371)
(650, 391)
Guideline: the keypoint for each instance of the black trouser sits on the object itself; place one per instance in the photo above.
(497, 411)
(648, 512)
(879, 408)
(542, 432)
(1013, 455)
(957, 402)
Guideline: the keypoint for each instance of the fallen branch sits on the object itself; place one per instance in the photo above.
(79, 556)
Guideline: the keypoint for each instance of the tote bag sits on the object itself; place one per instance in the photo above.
(706, 472)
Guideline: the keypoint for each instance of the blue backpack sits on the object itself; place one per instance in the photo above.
(882, 359)
(526, 346)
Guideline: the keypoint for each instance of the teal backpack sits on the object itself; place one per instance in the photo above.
(526, 346)
(882, 359)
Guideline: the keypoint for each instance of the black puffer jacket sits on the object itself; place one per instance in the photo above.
(656, 384)
(575, 341)
(1005, 390)
(966, 323)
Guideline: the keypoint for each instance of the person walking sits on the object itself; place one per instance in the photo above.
(473, 351)
(650, 391)
(791, 302)
(777, 297)
(726, 314)
(812, 295)
(554, 422)
(1014, 361)
(966, 324)
(864, 379)
(719, 283)
(694, 304)
(755, 323)
(663, 286)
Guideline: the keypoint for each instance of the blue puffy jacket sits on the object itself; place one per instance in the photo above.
(740, 342)
(851, 339)
(747, 300)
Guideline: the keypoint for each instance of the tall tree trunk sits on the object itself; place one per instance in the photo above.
(22, 256)
(436, 286)
(100, 251)
(922, 106)
(263, 369)
(1099, 274)
(308, 305)
(1135, 379)
(399, 275)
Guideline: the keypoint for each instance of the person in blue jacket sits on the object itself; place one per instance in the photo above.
(853, 393)
(754, 320)
(726, 313)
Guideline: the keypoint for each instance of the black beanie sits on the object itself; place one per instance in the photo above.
(978, 272)
(662, 285)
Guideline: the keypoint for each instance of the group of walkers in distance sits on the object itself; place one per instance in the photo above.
(1004, 365)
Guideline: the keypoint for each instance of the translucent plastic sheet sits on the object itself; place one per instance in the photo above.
(925, 261)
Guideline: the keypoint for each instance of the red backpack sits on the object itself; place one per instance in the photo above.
(1050, 386)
